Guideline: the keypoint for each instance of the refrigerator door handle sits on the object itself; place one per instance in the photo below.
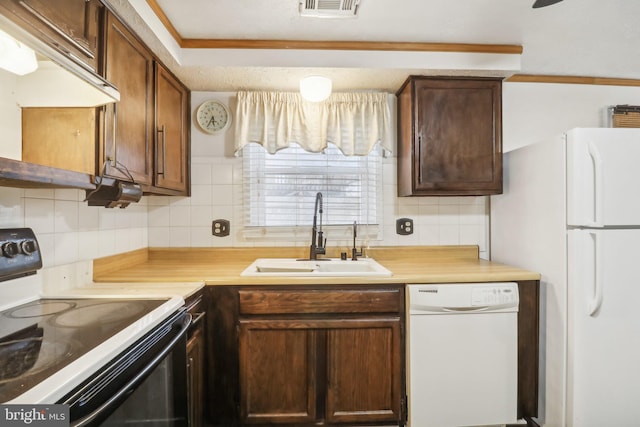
(596, 300)
(598, 187)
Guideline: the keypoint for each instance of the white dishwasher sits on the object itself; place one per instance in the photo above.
(462, 357)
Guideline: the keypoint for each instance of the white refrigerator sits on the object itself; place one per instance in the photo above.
(571, 211)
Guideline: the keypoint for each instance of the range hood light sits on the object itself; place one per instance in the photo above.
(15, 57)
(119, 195)
(315, 88)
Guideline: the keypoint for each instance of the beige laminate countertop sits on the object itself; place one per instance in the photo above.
(132, 290)
(409, 264)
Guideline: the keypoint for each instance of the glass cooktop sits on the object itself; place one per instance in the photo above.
(41, 337)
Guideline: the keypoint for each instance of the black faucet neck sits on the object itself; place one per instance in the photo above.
(318, 241)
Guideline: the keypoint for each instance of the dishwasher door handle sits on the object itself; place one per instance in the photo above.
(424, 309)
(465, 309)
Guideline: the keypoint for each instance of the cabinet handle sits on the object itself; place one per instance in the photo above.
(162, 131)
(114, 157)
(198, 317)
(190, 388)
(419, 160)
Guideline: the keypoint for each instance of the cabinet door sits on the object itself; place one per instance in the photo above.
(277, 372)
(364, 371)
(60, 137)
(129, 66)
(450, 137)
(171, 152)
(195, 369)
(72, 26)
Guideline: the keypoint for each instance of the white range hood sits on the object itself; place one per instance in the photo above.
(53, 86)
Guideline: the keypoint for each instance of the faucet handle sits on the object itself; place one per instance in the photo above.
(321, 245)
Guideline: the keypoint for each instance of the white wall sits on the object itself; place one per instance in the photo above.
(532, 112)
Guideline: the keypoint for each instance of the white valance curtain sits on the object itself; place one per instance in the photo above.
(354, 122)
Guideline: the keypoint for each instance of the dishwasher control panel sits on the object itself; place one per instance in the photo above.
(462, 297)
(493, 295)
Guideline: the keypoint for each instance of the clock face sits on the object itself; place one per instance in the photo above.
(213, 116)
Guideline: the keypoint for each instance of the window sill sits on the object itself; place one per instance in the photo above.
(335, 234)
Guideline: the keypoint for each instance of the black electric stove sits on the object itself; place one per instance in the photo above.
(40, 338)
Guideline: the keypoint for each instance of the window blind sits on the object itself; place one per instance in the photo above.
(280, 189)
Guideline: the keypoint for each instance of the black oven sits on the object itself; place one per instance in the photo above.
(146, 385)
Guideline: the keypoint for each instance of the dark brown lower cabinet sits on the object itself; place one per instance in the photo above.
(336, 371)
(364, 372)
(196, 360)
(304, 356)
(195, 372)
(278, 378)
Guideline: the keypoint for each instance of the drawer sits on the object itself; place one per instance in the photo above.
(261, 301)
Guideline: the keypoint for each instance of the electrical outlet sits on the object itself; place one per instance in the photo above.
(220, 227)
(404, 226)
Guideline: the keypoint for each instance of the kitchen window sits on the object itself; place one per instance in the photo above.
(280, 188)
(293, 149)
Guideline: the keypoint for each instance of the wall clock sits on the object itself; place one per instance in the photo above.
(213, 116)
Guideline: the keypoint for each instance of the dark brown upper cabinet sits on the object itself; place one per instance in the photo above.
(150, 123)
(128, 64)
(449, 136)
(172, 132)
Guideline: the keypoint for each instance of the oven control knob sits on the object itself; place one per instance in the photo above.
(10, 249)
(28, 247)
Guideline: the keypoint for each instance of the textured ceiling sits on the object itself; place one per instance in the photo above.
(575, 37)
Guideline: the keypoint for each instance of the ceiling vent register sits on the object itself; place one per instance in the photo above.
(329, 8)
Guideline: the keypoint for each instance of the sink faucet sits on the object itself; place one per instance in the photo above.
(354, 252)
(318, 242)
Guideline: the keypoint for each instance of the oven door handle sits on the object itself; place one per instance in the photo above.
(139, 378)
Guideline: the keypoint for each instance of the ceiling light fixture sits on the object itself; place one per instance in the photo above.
(543, 3)
(15, 56)
(315, 88)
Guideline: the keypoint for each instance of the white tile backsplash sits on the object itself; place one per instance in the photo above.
(180, 216)
(40, 214)
(438, 220)
(65, 216)
(200, 174)
(222, 174)
(68, 230)
(201, 194)
(12, 207)
(201, 216)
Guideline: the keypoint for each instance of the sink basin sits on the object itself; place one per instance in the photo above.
(327, 267)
